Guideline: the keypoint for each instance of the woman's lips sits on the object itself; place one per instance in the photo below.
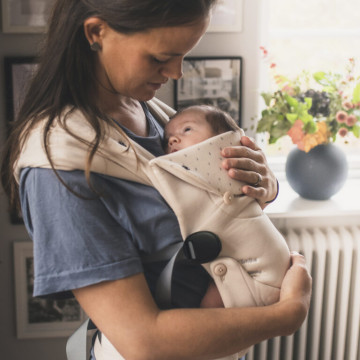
(156, 86)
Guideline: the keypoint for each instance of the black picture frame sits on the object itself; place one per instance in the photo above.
(18, 71)
(213, 81)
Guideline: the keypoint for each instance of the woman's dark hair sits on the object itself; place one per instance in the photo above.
(64, 78)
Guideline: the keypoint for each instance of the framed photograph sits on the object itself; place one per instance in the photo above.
(35, 317)
(213, 81)
(227, 16)
(25, 16)
(18, 72)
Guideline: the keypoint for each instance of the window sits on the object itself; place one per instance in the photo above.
(313, 35)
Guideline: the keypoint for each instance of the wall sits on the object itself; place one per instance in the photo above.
(244, 44)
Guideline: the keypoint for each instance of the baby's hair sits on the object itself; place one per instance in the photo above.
(219, 120)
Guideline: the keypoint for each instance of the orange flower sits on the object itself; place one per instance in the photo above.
(319, 137)
(296, 133)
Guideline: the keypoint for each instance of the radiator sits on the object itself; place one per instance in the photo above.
(331, 330)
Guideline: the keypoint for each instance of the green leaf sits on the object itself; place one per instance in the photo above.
(267, 98)
(356, 130)
(356, 94)
(318, 76)
(329, 89)
(306, 117)
(292, 117)
(310, 127)
(291, 101)
(308, 102)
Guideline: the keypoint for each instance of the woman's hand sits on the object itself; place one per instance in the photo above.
(297, 281)
(247, 163)
(296, 289)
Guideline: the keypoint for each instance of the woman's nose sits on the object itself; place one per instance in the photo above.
(173, 69)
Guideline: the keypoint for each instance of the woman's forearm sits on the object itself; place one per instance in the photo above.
(212, 333)
(126, 313)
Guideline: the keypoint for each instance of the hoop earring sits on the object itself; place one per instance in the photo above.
(95, 46)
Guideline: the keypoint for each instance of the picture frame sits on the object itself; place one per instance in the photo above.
(25, 16)
(17, 72)
(213, 81)
(227, 16)
(38, 317)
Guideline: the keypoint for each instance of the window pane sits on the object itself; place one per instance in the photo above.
(313, 36)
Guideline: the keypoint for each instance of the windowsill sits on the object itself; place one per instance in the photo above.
(290, 205)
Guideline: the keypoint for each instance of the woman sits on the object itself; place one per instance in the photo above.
(102, 61)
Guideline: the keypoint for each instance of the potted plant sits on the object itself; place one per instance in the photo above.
(313, 110)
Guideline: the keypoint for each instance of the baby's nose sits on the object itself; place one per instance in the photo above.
(173, 140)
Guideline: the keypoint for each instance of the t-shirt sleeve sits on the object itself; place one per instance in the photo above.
(77, 241)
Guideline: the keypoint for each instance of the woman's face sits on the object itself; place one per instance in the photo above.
(138, 65)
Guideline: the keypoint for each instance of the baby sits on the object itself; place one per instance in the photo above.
(254, 256)
(196, 124)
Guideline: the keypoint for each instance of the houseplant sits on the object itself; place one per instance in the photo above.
(313, 110)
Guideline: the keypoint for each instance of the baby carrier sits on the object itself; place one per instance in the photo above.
(241, 262)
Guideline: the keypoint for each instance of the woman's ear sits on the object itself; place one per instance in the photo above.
(93, 29)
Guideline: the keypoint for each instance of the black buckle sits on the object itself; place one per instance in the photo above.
(202, 247)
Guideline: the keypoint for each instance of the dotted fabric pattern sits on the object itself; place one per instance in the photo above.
(201, 163)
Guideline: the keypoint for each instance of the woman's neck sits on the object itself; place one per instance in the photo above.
(127, 112)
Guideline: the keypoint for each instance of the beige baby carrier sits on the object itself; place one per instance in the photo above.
(253, 257)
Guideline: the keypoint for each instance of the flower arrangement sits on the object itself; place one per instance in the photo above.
(312, 109)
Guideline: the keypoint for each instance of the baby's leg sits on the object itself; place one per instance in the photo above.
(212, 298)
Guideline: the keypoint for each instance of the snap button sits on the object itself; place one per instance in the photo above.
(220, 270)
(227, 198)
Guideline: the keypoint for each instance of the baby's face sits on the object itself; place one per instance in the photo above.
(186, 129)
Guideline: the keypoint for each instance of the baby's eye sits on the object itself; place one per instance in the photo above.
(187, 129)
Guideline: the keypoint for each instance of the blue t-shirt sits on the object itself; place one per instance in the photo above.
(86, 238)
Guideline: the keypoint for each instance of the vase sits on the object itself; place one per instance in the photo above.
(317, 174)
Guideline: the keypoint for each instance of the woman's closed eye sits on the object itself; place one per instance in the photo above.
(159, 60)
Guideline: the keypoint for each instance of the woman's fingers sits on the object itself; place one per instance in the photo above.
(297, 281)
(247, 163)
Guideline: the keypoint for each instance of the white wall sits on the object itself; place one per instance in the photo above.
(245, 44)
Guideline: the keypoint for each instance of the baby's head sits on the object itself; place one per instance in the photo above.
(195, 124)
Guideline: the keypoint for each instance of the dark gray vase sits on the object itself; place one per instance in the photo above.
(318, 174)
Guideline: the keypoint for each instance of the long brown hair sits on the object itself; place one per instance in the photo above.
(64, 76)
